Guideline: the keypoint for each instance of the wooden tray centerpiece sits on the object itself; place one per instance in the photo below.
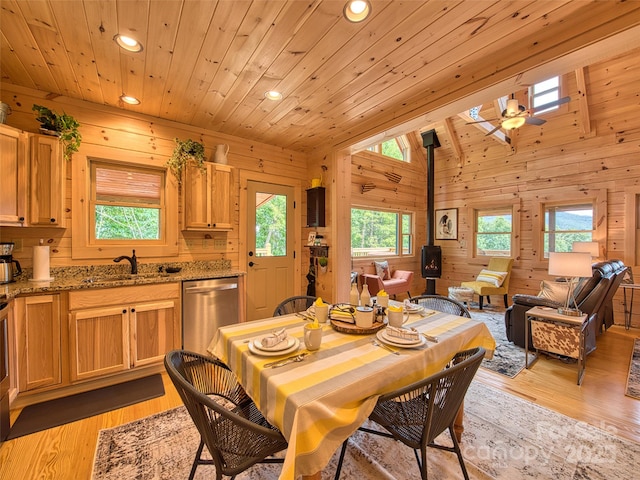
(352, 328)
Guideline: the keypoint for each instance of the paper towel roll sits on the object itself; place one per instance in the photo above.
(41, 270)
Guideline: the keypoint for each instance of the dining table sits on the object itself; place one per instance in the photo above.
(320, 398)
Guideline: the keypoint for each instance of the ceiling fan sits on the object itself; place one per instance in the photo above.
(516, 115)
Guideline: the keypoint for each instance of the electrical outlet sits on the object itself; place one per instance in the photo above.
(219, 244)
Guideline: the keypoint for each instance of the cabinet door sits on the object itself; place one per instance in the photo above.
(196, 187)
(222, 197)
(47, 181)
(99, 341)
(155, 330)
(13, 179)
(38, 331)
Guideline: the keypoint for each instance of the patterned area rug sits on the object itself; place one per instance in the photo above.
(633, 380)
(508, 359)
(505, 437)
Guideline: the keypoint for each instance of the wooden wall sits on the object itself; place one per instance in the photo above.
(126, 131)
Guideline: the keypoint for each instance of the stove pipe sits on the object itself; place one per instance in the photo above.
(431, 264)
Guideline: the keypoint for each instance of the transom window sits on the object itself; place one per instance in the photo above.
(494, 228)
(396, 148)
(565, 224)
(126, 202)
(381, 233)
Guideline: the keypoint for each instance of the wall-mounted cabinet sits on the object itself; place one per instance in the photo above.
(46, 181)
(207, 197)
(13, 179)
(316, 207)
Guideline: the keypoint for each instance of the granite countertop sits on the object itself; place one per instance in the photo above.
(108, 276)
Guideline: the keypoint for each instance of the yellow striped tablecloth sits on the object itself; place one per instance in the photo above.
(321, 401)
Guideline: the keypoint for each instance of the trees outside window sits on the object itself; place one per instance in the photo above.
(381, 233)
(565, 224)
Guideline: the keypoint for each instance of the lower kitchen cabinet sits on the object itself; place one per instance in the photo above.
(116, 329)
(38, 338)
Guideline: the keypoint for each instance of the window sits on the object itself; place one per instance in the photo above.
(397, 148)
(545, 92)
(121, 204)
(494, 229)
(381, 233)
(565, 224)
(126, 202)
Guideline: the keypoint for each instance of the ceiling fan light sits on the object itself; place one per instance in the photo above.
(357, 10)
(512, 123)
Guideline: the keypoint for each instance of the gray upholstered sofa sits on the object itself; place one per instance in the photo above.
(593, 295)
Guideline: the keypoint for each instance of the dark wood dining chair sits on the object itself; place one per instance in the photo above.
(441, 304)
(230, 425)
(416, 414)
(295, 304)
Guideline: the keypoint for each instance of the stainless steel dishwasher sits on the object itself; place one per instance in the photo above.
(207, 305)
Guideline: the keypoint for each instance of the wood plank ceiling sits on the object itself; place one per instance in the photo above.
(208, 63)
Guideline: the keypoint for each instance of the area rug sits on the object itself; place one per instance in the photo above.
(53, 413)
(508, 359)
(505, 437)
(633, 379)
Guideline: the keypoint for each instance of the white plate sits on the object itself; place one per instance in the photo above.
(395, 342)
(413, 308)
(263, 353)
(283, 345)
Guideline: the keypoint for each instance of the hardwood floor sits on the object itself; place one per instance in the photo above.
(66, 452)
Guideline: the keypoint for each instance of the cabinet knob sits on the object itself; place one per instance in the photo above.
(124, 311)
(52, 220)
(133, 310)
(21, 219)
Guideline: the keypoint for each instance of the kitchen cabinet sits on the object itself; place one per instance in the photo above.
(39, 341)
(47, 181)
(13, 180)
(118, 329)
(207, 197)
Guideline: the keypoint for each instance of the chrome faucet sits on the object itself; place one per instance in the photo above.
(132, 260)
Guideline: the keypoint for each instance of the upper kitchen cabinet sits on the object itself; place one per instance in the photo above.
(13, 180)
(47, 180)
(207, 196)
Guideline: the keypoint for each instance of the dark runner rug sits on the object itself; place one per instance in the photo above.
(53, 413)
(633, 379)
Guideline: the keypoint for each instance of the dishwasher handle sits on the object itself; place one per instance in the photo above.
(228, 286)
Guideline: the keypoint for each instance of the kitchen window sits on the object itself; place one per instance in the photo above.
(125, 203)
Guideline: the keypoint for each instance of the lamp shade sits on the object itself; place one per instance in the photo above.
(570, 264)
(590, 247)
(512, 123)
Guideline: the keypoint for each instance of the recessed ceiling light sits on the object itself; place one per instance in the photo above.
(357, 10)
(128, 43)
(273, 95)
(130, 100)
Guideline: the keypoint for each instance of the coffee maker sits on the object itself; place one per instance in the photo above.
(7, 269)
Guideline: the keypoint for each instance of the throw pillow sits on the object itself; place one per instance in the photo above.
(556, 291)
(489, 276)
(382, 269)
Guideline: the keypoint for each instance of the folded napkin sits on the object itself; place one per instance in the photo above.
(409, 306)
(404, 333)
(274, 338)
(342, 316)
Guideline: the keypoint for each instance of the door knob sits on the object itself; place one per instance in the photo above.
(251, 264)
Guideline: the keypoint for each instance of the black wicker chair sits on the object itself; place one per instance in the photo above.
(418, 413)
(441, 304)
(294, 304)
(230, 425)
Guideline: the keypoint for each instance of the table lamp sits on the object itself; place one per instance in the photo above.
(571, 266)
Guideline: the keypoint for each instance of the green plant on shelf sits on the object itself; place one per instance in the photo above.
(323, 261)
(185, 151)
(64, 126)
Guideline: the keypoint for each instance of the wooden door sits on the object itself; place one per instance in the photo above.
(46, 181)
(13, 179)
(99, 341)
(155, 330)
(270, 247)
(39, 352)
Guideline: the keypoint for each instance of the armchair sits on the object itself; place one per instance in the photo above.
(398, 282)
(484, 288)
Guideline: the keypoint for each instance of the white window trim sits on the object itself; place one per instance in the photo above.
(81, 246)
(514, 205)
(399, 235)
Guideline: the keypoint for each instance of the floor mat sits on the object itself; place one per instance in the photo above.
(53, 413)
(633, 378)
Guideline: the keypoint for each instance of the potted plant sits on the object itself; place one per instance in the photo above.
(63, 126)
(186, 151)
(323, 262)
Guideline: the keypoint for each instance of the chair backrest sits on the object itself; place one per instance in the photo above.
(295, 304)
(442, 393)
(235, 433)
(501, 264)
(441, 304)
